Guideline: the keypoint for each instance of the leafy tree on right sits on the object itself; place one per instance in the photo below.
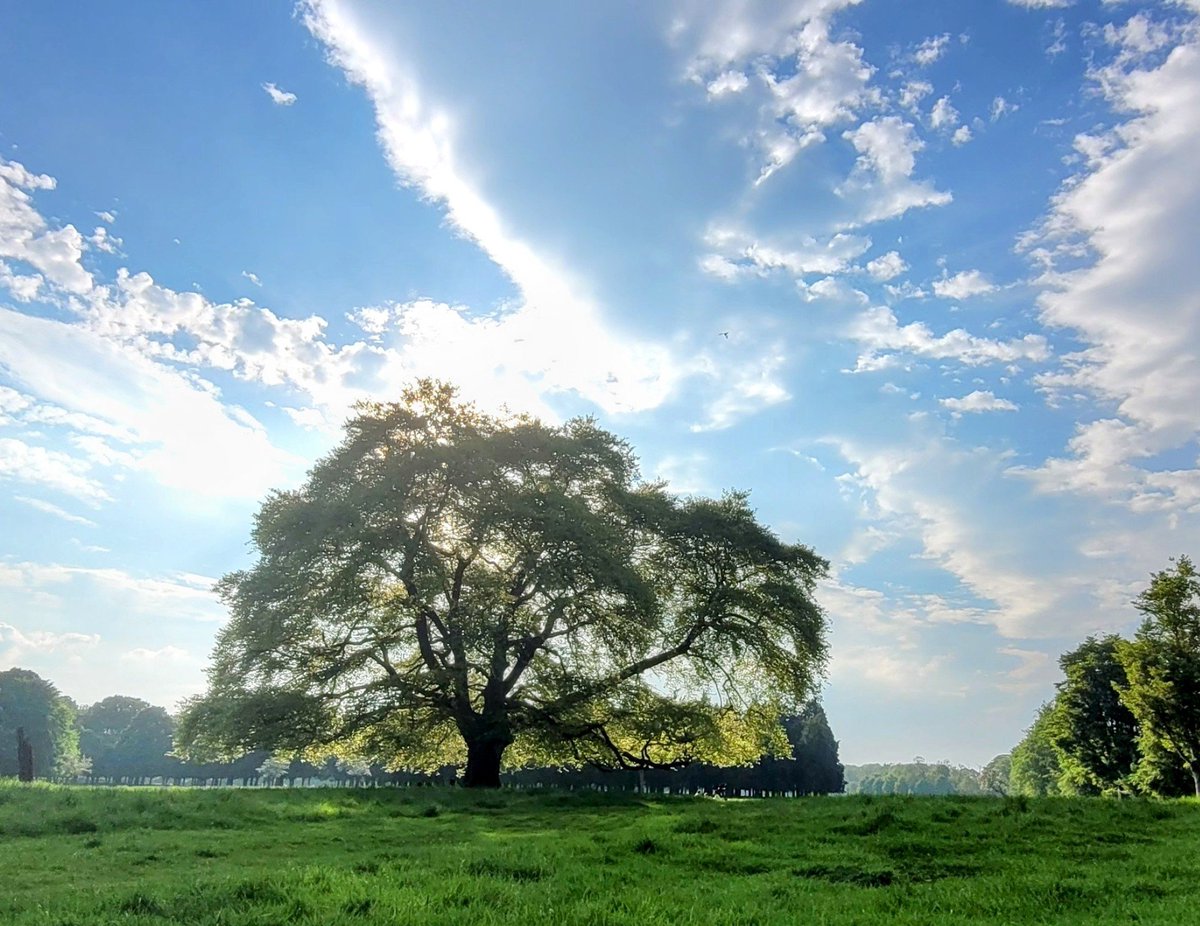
(1095, 733)
(1162, 665)
(1035, 768)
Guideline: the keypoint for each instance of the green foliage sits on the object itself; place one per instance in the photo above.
(448, 584)
(436, 857)
(29, 702)
(912, 778)
(1036, 767)
(1162, 664)
(815, 752)
(1096, 735)
(128, 739)
(996, 776)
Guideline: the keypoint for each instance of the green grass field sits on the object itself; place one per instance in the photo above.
(82, 857)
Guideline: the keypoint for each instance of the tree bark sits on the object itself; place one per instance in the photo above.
(24, 756)
(1195, 779)
(483, 763)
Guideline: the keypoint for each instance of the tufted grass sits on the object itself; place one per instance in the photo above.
(147, 857)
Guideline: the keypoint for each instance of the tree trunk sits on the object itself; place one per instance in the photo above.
(24, 756)
(483, 763)
(1195, 779)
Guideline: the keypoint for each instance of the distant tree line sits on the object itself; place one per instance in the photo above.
(1126, 717)
(916, 777)
(127, 741)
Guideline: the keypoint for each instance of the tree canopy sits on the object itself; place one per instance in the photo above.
(1035, 768)
(815, 751)
(30, 703)
(1162, 664)
(1096, 734)
(450, 585)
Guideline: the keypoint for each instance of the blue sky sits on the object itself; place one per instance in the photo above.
(923, 280)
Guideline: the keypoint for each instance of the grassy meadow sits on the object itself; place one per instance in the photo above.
(147, 857)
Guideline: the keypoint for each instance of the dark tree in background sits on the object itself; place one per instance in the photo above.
(996, 776)
(128, 739)
(815, 752)
(29, 702)
(449, 586)
(102, 726)
(1096, 733)
(24, 757)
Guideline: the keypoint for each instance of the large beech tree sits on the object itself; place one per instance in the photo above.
(450, 585)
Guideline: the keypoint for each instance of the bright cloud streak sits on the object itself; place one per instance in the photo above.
(556, 318)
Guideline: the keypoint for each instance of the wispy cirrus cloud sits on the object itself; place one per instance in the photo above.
(53, 510)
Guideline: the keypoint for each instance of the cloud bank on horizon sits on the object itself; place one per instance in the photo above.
(938, 313)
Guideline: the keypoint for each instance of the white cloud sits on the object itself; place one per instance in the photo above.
(1140, 34)
(1018, 561)
(963, 285)
(931, 49)
(1059, 45)
(1135, 209)
(684, 473)
(177, 596)
(943, 115)
(962, 135)
(308, 418)
(568, 346)
(106, 216)
(176, 427)
(881, 184)
(1002, 107)
(827, 82)
(831, 289)
(885, 667)
(1035, 670)
(728, 82)
(809, 79)
(101, 240)
(279, 97)
(887, 146)
(885, 341)
(913, 92)
(12, 401)
(887, 266)
(749, 386)
(22, 287)
(33, 465)
(165, 654)
(55, 510)
(717, 34)
(978, 401)
(16, 646)
(252, 277)
(24, 235)
(1042, 4)
(737, 252)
